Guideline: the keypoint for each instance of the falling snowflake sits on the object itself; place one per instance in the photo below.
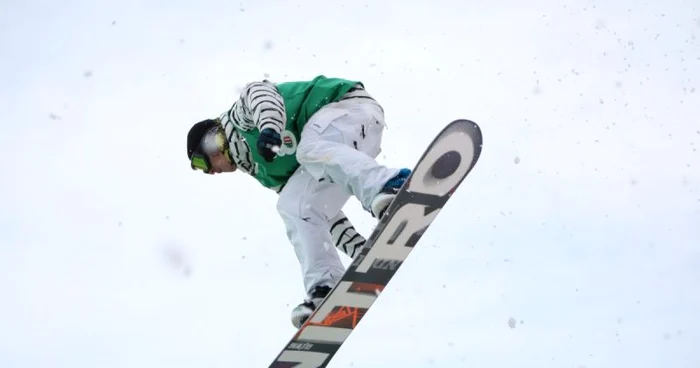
(511, 322)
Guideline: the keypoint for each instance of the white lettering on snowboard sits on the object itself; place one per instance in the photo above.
(305, 359)
(415, 220)
(324, 333)
(340, 297)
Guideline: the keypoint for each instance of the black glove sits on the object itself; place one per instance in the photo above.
(268, 139)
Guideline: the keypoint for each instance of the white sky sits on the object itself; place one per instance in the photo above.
(581, 220)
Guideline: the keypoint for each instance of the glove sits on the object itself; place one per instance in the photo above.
(268, 143)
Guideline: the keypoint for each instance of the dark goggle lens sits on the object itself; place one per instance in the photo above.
(200, 162)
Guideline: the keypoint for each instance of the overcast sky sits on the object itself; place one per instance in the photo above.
(574, 243)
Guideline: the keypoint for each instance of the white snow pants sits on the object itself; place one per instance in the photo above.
(337, 152)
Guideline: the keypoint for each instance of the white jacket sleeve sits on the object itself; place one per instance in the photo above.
(260, 106)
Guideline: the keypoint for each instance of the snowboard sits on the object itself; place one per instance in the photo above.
(438, 173)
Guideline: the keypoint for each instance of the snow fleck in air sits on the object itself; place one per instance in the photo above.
(516, 160)
(177, 259)
(511, 322)
(600, 24)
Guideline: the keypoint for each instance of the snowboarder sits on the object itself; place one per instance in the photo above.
(315, 144)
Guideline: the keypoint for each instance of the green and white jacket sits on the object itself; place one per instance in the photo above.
(286, 108)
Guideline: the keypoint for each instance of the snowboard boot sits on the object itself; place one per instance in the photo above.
(303, 311)
(383, 199)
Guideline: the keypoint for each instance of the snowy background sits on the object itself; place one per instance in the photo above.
(574, 243)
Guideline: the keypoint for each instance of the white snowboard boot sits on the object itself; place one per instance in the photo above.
(382, 200)
(303, 311)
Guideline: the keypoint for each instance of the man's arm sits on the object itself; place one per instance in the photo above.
(260, 106)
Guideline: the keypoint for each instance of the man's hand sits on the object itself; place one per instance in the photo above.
(269, 142)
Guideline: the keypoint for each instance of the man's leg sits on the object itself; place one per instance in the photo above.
(307, 207)
(340, 142)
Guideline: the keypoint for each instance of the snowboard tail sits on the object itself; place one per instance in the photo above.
(441, 169)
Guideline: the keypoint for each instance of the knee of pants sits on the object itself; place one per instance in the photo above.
(366, 135)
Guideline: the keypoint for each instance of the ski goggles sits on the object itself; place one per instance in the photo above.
(200, 161)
